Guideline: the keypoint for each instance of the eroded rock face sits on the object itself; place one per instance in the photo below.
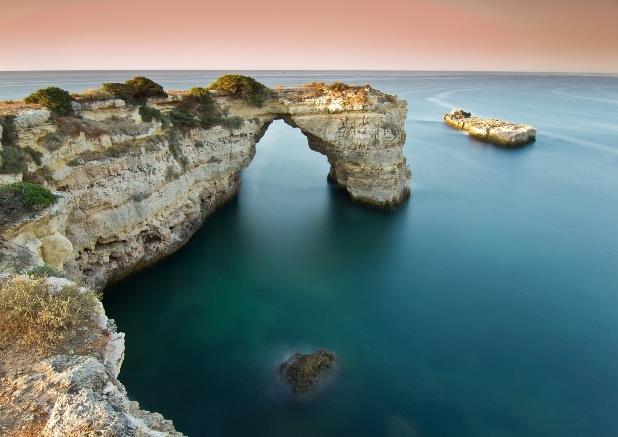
(133, 191)
(304, 372)
(499, 132)
(130, 192)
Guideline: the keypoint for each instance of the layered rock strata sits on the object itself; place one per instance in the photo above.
(498, 132)
(132, 189)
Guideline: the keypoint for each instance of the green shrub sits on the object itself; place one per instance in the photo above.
(208, 120)
(144, 88)
(183, 118)
(197, 109)
(149, 114)
(200, 95)
(136, 90)
(21, 198)
(118, 90)
(243, 87)
(57, 100)
(31, 195)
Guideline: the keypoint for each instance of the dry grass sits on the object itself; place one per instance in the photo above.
(93, 95)
(350, 94)
(34, 318)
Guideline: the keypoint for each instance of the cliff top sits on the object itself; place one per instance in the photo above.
(141, 91)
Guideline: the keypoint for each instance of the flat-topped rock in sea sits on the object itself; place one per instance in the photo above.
(498, 132)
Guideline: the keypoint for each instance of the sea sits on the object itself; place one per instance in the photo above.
(486, 306)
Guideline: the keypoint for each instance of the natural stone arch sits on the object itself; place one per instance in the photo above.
(362, 142)
(119, 212)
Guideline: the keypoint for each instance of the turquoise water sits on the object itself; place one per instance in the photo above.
(486, 306)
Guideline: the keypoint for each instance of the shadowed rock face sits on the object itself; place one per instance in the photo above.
(304, 372)
(499, 132)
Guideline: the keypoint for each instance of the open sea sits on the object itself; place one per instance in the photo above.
(487, 306)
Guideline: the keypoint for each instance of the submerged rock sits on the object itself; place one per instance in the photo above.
(499, 132)
(397, 426)
(303, 372)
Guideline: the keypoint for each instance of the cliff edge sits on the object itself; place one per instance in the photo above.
(96, 185)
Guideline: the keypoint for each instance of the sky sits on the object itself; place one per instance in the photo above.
(486, 35)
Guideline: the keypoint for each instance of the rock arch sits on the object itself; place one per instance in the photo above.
(363, 142)
(133, 191)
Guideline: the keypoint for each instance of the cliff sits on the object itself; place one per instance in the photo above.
(499, 132)
(132, 180)
(131, 191)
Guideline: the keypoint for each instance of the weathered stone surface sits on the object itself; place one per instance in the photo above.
(56, 249)
(499, 132)
(131, 192)
(304, 372)
(72, 391)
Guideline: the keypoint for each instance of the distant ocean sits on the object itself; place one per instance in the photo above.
(487, 306)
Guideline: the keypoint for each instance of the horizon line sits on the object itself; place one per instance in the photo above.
(565, 73)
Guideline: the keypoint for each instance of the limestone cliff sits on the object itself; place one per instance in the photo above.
(132, 183)
(132, 191)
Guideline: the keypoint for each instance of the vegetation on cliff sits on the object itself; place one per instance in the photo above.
(21, 198)
(198, 109)
(135, 91)
(349, 94)
(243, 87)
(35, 316)
(148, 114)
(57, 100)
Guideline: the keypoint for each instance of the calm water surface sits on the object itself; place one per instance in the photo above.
(486, 306)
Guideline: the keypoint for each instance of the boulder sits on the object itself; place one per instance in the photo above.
(303, 372)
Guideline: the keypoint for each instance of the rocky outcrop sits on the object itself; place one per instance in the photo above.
(304, 372)
(499, 132)
(132, 189)
(71, 389)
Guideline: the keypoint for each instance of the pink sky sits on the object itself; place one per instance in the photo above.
(515, 35)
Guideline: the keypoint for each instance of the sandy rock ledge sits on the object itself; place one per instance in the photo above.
(499, 132)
